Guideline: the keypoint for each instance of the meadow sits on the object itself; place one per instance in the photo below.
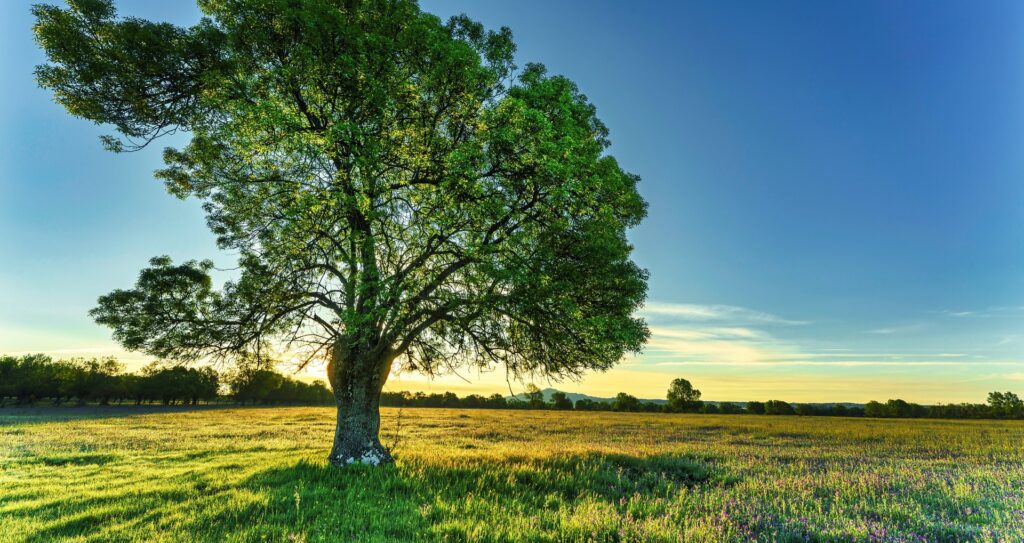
(259, 474)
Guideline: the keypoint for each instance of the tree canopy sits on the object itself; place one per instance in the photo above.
(394, 186)
(682, 396)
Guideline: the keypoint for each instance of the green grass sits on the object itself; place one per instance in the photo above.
(260, 475)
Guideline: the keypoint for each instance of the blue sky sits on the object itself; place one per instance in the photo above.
(835, 188)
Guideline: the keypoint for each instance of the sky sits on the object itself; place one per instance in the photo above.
(836, 194)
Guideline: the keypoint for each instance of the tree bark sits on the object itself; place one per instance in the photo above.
(357, 380)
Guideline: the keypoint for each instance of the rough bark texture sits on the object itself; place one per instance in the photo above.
(357, 380)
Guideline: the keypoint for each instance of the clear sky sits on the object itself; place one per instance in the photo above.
(836, 193)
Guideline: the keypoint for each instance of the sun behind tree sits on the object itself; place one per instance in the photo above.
(395, 188)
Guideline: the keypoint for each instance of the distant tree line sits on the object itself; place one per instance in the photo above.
(29, 379)
(446, 399)
(34, 378)
(262, 386)
(683, 398)
(1000, 405)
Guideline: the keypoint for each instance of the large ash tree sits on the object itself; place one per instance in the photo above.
(397, 191)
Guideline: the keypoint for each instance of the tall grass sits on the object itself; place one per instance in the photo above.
(259, 475)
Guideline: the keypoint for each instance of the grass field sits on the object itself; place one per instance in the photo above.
(260, 475)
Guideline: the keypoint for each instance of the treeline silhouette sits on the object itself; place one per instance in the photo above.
(623, 403)
(1002, 405)
(29, 379)
(264, 386)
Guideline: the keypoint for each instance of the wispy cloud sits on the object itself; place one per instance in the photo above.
(724, 313)
(705, 335)
(992, 311)
(904, 329)
(1006, 340)
(847, 353)
(838, 363)
(727, 345)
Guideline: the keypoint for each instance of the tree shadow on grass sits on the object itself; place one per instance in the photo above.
(106, 518)
(467, 498)
(430, 501)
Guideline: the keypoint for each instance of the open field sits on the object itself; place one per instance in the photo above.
(260, 475)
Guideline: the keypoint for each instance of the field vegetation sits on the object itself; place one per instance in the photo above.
(260, 474)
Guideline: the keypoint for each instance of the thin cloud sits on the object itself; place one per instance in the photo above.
(839, 363)
(737, 332)
(716, 344)
(849, 354)
(694, 339)
(991, 311)
(907, 329)
(1008, 340)
(961, 313)
(725, 313)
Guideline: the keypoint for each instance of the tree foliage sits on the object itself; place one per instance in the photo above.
(447, 399)
(177, 383)
(756, 408)
(37, 377)
(395, 187)
(390, 180)
(560, 401)
(683, 397)
(1006, 405)
(29, 379)
(625, 402)
(778, 407)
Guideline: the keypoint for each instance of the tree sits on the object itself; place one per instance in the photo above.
(895, 408)
(586, 404)
(625, 402)
(397, 190)
(683, 397)
(728, 408)
(535, 397)
(254, 384)
(8, 377)
(755, 408)
(206, 385)
(805, 410)
(96, 379)
(37, 376)
(559, 400)
(874, 409)
(777, 407)
(1006, 404)
(496, 401)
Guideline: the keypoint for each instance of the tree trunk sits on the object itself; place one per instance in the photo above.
(357, 380)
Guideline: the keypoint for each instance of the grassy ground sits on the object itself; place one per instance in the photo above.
(260, 475)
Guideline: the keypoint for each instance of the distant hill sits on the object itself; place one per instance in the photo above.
(576, 397)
